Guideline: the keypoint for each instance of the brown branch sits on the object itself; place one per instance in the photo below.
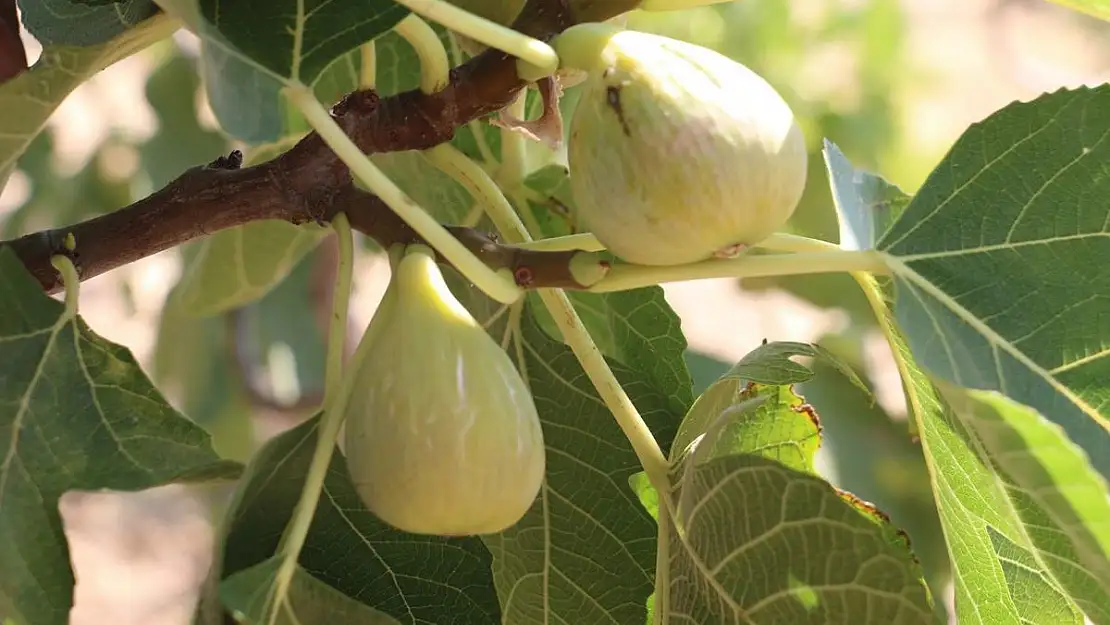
(309, 183)
(13, 56)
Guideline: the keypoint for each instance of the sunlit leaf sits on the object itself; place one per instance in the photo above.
(1012, 561)
(805, 553)
(1001, 282)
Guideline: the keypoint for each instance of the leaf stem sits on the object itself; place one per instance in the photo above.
(429, 49)
(368, 72)
(533, 51)
(337, 329)
(499, 286)
(335, 401)
(72, 282)
(511, 174)
(784, 242)
(585, 242)
(624, 277)
(662, 605)
(574, 332)
(467, 173)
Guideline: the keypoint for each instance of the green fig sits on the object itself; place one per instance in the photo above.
(441, 433)
(677, 153)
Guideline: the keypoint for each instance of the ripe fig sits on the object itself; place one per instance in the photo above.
(442, 435)
(677, 153)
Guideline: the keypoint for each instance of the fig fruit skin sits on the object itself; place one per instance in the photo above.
(677, 153)
(442, 436)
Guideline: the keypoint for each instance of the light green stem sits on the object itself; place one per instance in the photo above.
(499, 286)
(337, 329)
(72, 283)
(511, 174)
(368, 74)
(532, 51)
(469, 174)
(335, 401)
(429, 49)
(593, 363)
(585, 242)
(662, 605)
(783, 242)
(624, 277)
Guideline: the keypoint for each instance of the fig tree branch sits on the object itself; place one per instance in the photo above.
(309, 183)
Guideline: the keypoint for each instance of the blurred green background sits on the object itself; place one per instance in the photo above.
(891, 83)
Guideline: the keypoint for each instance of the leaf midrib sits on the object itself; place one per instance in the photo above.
(25, 403)
(998, 341)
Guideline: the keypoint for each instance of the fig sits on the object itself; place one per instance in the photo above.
(677, 153)
(441, 433)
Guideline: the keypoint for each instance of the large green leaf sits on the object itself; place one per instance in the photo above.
(30, 98)
(585, 552)
(76, 413)
(1000, 262)
(803, 551)
(70, 23)
(413, 578)
(1051, 486)
(1013, 558)
(297, 39)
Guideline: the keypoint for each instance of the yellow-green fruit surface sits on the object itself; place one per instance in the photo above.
(442, 435)
(678, 153)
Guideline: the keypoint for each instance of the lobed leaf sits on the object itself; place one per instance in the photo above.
(1000, 279)
(1016, 552)
(805, 553)
(76, 413)
(30, 98)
